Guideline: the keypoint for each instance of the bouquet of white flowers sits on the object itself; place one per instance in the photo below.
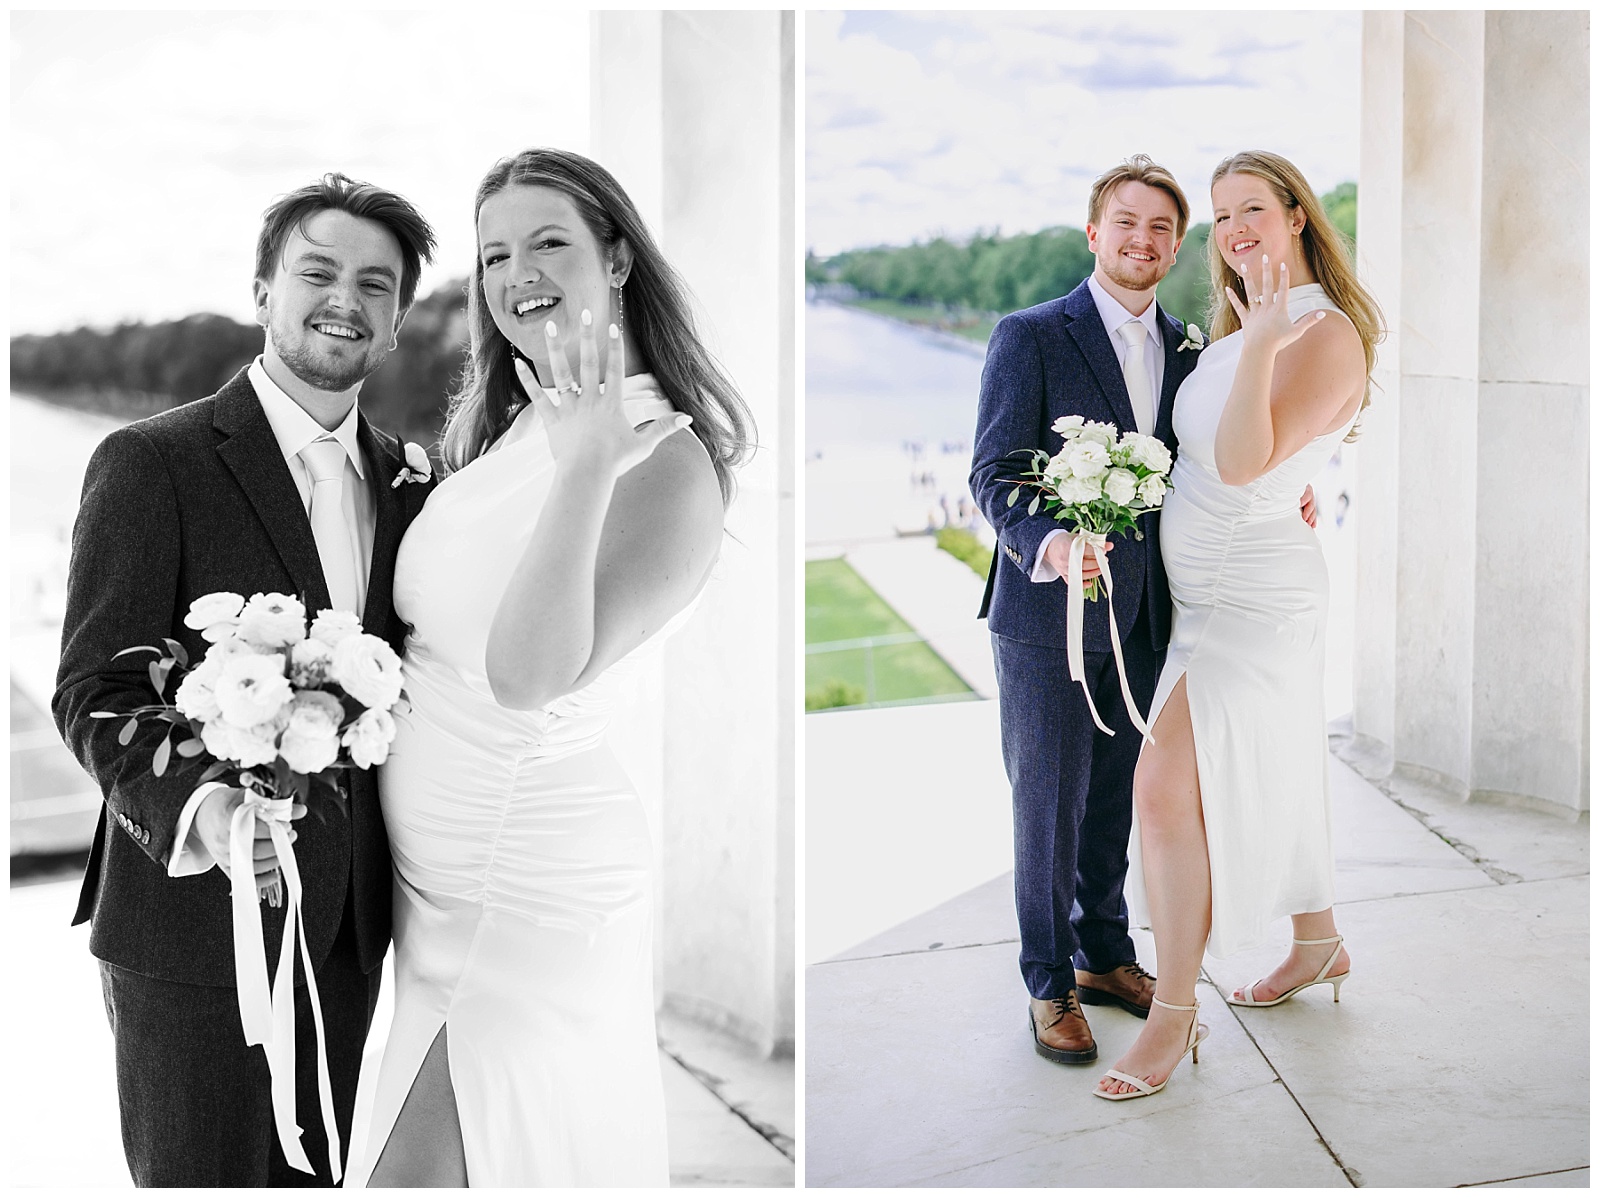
(1100, 483)
(282, 707)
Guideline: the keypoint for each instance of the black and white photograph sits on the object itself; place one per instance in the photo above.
(403, 623)
(1197, 672)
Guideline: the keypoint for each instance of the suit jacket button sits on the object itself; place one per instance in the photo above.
(145, 839)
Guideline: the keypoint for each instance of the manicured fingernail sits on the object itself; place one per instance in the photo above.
(1320, 315)
(612, 332)
(549, 328)
(586, 318)
(683, 421)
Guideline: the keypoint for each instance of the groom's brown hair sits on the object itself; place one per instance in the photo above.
(1138, 169)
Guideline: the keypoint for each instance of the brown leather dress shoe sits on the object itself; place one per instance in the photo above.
(1127, 986)
(1060, 1032)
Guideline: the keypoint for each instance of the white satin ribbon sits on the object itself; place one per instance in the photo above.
(1094, 543)
(268, 1015)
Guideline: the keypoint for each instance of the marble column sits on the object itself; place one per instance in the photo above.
(1472, 594)
(694, 113)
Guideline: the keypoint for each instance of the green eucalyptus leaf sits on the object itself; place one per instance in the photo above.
(191, 747)
(128, 729)
(1016, 492)
(137, 649)
(1034, 506)
(215, 770)
(158, 764)
(178, 652)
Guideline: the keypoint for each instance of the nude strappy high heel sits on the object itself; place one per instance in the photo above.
(1337, 980)
(1143, 1089)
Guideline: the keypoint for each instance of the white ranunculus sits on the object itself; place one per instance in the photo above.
(368, 670)
(368, 738)
(311, 741)
(213, 609)
(1089, 459)
(273, 621)
(1150, 453)
(250, 746)
(1121, 486)
(1058, 467)
(1152, 490)
(250, 688)
(1103, 434)
(1067, 424)
(196, 695)
(331, 625)
(417, 459)
(310, 663)
(1079, 490)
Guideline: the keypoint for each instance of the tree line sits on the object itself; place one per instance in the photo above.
(991, 273)
(137, 369)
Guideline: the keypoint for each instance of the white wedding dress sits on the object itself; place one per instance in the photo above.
(1250, 600)
(523, 890)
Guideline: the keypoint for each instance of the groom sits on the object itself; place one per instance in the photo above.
(1106, 352)
(275, 483)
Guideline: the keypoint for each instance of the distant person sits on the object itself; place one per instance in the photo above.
(1109, 353)
(592, 447)
(1232, 791)
(217, 495)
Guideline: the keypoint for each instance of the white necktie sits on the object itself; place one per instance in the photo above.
(1137, 377)
(325, 460)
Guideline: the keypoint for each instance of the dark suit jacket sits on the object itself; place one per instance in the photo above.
(1046, 362)
(194, 500)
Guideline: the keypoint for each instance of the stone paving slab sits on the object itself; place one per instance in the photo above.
(958, 1096)
(1435, 1069)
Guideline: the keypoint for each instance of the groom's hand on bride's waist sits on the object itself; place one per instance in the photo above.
(213, 822)
(1057, 553)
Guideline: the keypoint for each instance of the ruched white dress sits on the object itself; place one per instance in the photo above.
(523, 893)
(1250, 601)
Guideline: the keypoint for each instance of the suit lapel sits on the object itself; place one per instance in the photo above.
(251, 451)
(1172, 334)
(1086, 328)
(384, 464)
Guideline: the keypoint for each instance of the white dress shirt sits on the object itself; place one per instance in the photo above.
(294, 429)
(1113, 315)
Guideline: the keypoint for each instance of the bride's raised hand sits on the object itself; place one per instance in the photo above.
(585, 423)
(1264, 319)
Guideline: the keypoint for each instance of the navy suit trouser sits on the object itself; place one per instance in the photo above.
(1072, 802)
(196, 1100)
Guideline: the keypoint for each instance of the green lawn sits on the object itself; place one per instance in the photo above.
(840, 606)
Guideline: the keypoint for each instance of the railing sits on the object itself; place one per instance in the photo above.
(869, 646)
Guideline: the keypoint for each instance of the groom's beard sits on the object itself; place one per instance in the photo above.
(323, 370)
(1133, 276)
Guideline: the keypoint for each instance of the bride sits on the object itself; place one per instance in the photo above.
(572, 531)
(1231, 795)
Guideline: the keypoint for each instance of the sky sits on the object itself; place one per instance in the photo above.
(144, 146)
(927, 123)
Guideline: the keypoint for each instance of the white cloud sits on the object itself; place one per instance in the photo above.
(144, 146)
(980, 120)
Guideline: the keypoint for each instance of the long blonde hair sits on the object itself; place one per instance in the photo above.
(1328, 253)
(659, 315)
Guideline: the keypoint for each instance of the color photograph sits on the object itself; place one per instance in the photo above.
(1190, 714)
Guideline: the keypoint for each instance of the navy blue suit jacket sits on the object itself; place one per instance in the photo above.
(194, 500)
(1045, 362)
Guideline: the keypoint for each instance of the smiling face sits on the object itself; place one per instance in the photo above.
(1251, 221)
(331, 308)
(1135, 241)
(540, 263)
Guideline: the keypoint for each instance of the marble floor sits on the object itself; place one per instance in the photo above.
(1458, 1056)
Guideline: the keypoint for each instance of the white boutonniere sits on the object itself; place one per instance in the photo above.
(1194, 339)
(418, 469)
